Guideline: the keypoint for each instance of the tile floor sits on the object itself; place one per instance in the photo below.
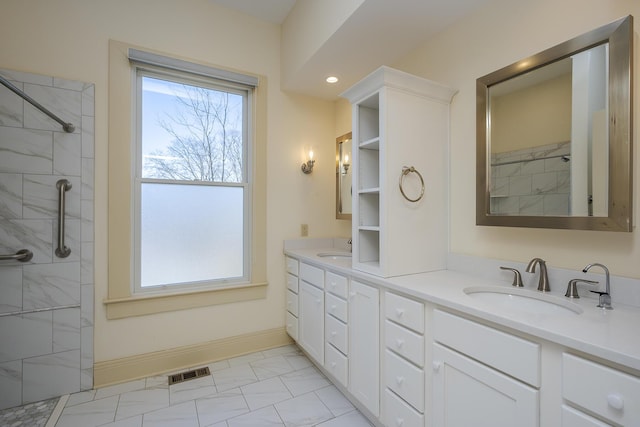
(277, 387)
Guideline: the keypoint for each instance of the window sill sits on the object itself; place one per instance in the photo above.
(141, 305)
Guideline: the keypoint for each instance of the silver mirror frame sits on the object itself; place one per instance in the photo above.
(619, 35)
(339, 141)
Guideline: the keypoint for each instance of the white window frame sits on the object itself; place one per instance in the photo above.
(170, 69)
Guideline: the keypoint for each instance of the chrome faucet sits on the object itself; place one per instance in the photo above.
(543, 283)
(604, 299)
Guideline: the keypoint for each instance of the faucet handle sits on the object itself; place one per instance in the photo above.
(572, 289)
(517, 278)
(604, 300)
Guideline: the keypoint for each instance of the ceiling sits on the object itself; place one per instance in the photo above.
(379, 32)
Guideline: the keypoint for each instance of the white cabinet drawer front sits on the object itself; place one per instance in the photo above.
(292, 282)
(507, 353)
(336, 307)
(404, 342)
(336, 364)
(336, 333)
(574, 418)
(405, 379)
(399, 414)
(311, 274)
(405, 311)
(292, 265)
(607, 392)
(336, 284)
(292, 303)
(292, 326)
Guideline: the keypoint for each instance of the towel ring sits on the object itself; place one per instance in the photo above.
(406, 170)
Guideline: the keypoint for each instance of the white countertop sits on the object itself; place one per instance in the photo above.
(608, 334)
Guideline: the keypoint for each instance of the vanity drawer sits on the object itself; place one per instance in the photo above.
(405, 311)
(292, 326)
(404, 342)
(574, 418)
(292, 282)
(521, 360)
(336, 284)
(336, 364)
(292, 303)
(335, 332)
(312, 275)
(336, 307)
(399, 414)
(607, 392)
(292, 265)
(405, 380)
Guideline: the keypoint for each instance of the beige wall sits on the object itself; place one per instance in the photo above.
(517, 117)
(503, 32)
(69, 39)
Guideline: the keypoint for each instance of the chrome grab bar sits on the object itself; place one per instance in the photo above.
(68, 127)
(23, 255)
(63, 186)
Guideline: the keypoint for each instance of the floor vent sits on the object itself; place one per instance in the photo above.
(189, 375)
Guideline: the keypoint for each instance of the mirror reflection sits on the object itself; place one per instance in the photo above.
(343, 176)
(548, 139)
(554, 136)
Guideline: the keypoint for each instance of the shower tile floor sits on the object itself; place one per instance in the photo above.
(277, 387)
(30, 415)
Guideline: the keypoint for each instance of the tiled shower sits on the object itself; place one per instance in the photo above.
(46, 304)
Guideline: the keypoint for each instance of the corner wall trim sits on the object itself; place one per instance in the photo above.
(144, 365)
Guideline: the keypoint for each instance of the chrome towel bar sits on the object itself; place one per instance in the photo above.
(63, 186)
(68, 127)
(23, 255)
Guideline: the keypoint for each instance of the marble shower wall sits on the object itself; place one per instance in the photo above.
(532, 181)
(46, 305)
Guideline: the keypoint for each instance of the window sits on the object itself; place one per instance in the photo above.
(192, 204)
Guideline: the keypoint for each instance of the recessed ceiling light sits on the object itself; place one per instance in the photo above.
(332, 79)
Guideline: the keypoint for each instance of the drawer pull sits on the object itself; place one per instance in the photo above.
(436, 366)
(399, 380)
(399, 312)
(399, 343)
(615, 401)
(399, 421)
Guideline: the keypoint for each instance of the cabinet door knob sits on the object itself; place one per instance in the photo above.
(399, 343)
(318, 301)
(399, 312)
(399, 380)
(352, 294)
(436, 366)
(333, 284)
(333, 307)
(333, 364)
(615, 401)
(399, 421)
(333, 333)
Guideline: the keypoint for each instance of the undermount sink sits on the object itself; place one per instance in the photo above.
(522, 300)
(335, 255)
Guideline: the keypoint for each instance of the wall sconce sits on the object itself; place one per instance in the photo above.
(345, 164)
(308, 166)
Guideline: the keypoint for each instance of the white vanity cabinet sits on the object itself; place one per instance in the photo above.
(364, 345)
(482, 376)
(605, 392)
(399, 120)
(292, 297)
(311, 311)
(335, 327)
(404, 379)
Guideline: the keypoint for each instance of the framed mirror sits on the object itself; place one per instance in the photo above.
(554, 136)
(343, 176)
